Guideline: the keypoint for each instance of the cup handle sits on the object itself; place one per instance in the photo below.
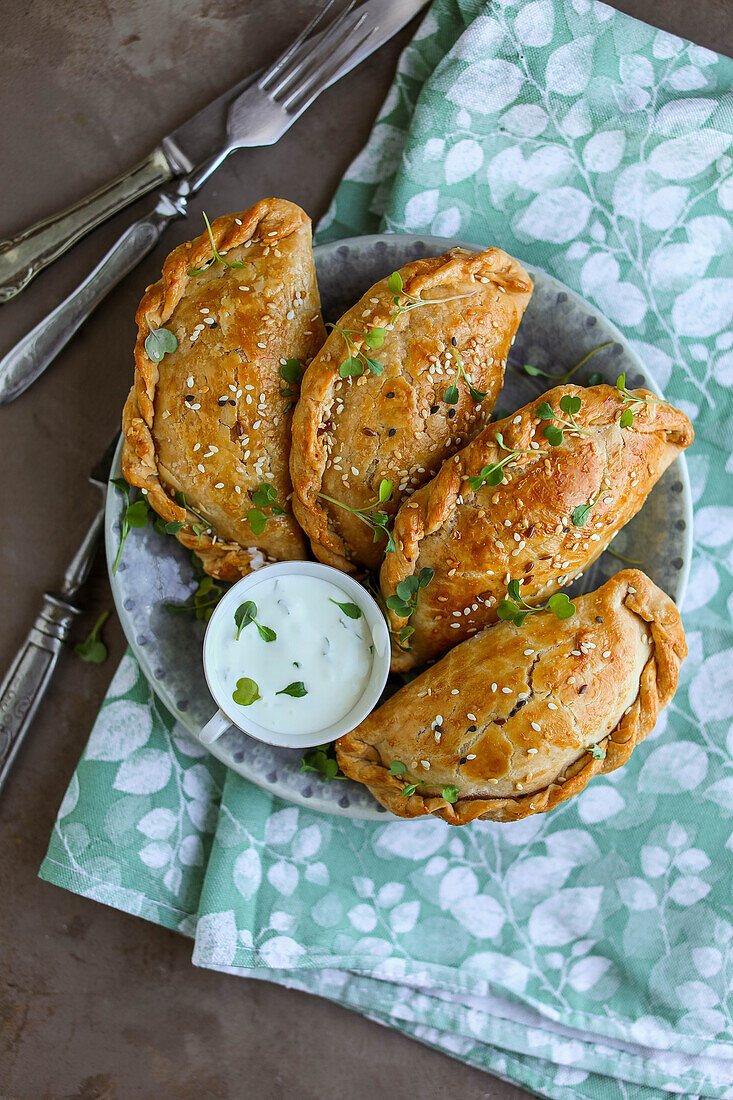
(214, 728)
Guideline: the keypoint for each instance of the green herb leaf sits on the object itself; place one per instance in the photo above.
(450, 794)
(545, 411)
(138, 514)
(513, 590)
(266, 633)
(297, 690)
(349, 609)
(425, 576)
(626, 419)
(506, 610)
(621, 381)
(264, 496)
(597, 752)
(375, 337)
(405, 634)
(374, 365)
(351, 368)
(581, 513)
(159, 342)
(553, 436)
(570, 404)
(396, 767)
(394, 282)
(451, 395)
(594, 379)
(560, 606)
(217, 257)
(409, 789)
(321, 761)
(244, 615)
(385, 491)
(535, 372)
(477, 395)
(257, 521)
(247, 692)
(92, 649)
(292, 371)
(406, 589)
(399, 606)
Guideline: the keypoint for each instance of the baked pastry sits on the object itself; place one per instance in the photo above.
(513, 506)
(208, 423)
(409, 373)
(518, 719)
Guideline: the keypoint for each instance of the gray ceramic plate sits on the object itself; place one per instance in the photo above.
(558, 329)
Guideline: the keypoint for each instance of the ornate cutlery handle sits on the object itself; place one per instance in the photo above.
(39, 347)
(26, 681)
(23, 256)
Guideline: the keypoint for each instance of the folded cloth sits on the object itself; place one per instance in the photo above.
(588, 952)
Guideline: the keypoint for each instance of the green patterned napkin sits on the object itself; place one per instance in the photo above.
(589, 952)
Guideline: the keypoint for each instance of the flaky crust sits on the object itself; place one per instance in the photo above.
(522, 529)
(233, 434)
(531, 703)
(349, 434)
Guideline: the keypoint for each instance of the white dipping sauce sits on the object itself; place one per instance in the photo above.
(317, 644)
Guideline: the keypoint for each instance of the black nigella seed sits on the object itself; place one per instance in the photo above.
(463, 760)
(189, 398)
(517, 706)
(599, 619)
(472, 729)
(391, 432)
(391, 393)
(453, 341)
(232, 401)
(434, 408)
(451, 413)
(222, 401)
(214, 325)
(582, 689)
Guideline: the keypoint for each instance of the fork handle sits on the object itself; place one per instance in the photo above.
(38, 348)
(23, 256)
(28, 676)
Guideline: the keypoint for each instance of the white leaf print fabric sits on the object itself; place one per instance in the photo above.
(587, 953)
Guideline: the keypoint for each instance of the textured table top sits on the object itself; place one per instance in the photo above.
(96, 1003)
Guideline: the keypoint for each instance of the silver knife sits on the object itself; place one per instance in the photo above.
(196, 140)
(28, 676)
(260, 115)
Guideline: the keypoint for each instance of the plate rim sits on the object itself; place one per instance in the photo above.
(112, 509)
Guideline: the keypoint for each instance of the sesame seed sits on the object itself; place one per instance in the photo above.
(536, 726)
(454, 691)
(189, 381)
(506, 691)
(219, 485)
(471, 717)
(552, 706)
(528, 652)
(455, 626)
(493, 687)
(532, 752)
(471, 756)
(201, 468)
(607, 653)
(425, 764)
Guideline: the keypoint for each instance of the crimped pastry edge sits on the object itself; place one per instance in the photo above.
(657, 685)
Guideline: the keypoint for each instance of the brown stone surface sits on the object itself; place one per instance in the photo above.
(95, 1003)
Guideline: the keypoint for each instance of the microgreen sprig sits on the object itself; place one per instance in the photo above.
(451, 394)
(515, 609)
(245, 614)
(597, 752)
(397, 767)
(322, 761)
(172, 527)
(370, 514)
(217, 258)
(357, 360)
(296, 690)
(136, 514)
(569, 405)
(291, 371)
(92, 649)
(404, 603)
(593, 380)
(159, 341)
(493, 474)
(405, 301)
(628, 397)
(265, 499)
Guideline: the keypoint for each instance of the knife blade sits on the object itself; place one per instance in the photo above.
(30, 672)
(193, 142)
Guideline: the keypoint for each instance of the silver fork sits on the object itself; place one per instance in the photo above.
(263, 112)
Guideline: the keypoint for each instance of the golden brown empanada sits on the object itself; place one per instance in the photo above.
(210, 419)
(526, 528)
(349, 433)
(518, 719)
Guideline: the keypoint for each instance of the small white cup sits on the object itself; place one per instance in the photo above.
(221, 721)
